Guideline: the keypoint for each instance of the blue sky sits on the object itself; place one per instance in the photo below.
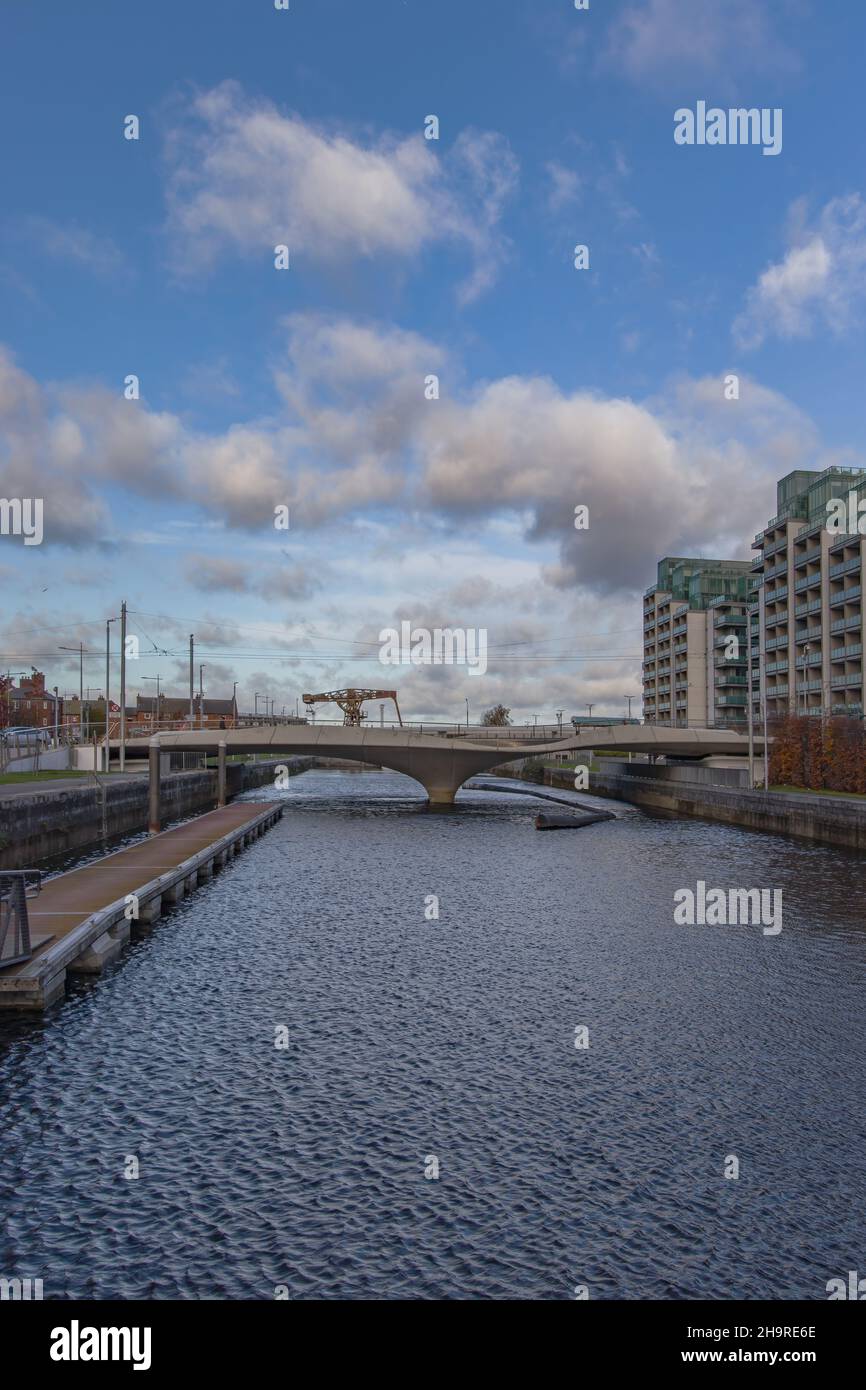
(411, 257)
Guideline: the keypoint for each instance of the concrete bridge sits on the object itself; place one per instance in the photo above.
(442, 761)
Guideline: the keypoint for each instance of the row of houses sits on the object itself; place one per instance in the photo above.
(795, 614)
(30, 705)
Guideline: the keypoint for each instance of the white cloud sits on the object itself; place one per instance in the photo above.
(565, 185)
(503, 463)
(655, 40)
(76, 244)
(818, 283)
(245, 177)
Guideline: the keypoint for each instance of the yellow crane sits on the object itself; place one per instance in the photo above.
(350, 702)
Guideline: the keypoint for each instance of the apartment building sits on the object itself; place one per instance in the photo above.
(689, 679)
(728, 659)
(807, 598)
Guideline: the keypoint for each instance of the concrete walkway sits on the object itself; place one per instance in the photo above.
(78, 920)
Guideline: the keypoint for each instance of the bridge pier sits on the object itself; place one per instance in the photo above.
(441, 796)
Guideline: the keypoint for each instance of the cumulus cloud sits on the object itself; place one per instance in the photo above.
(355, 438)
(656, 40)
(245, 177)
(42, 455)
(819, 282)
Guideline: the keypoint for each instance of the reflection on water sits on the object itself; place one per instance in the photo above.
(410, 1038)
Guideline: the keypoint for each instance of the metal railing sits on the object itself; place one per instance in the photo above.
(16, 885)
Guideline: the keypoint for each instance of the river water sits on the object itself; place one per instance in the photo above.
(412, 1042)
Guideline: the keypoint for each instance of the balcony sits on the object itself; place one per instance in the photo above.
(775, 546)
(845, 624)
(809, 581)
(777, 595)
(804, 609)
(775, 642)
(847, 682)
(813, 659)
(847, 653)
(841, 541)
(811, 634)
(729, 620)
(732, 699)
(772, 620)
(847, 567)
(776, 692)
(808, 557)
(775, 667)
(845, 596)
(779, 568)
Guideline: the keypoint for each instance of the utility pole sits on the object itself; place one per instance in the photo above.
(108, 623)
(123, 685)
(156, 716)
(191, 681)
(201, 696)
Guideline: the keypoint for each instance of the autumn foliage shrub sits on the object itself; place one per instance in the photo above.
(821, 754)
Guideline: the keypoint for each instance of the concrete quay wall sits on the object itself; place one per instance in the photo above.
(831, 820)
(39, 825)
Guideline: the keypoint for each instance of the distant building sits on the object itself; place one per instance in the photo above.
(807, 598)
(29, 704)
(687, 678)
(173, 712)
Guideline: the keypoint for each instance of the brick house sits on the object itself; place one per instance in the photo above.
(29, 704)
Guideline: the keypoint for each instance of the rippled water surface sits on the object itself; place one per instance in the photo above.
(411, 1038)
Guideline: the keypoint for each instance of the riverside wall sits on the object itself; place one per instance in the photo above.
(40, 825)
(831, 820)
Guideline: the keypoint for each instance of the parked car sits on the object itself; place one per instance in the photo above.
(26, 734)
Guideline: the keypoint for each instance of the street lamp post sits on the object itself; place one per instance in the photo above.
(156, 678)
(201, 696)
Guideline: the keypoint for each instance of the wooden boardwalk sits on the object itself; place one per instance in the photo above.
(82, 919)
